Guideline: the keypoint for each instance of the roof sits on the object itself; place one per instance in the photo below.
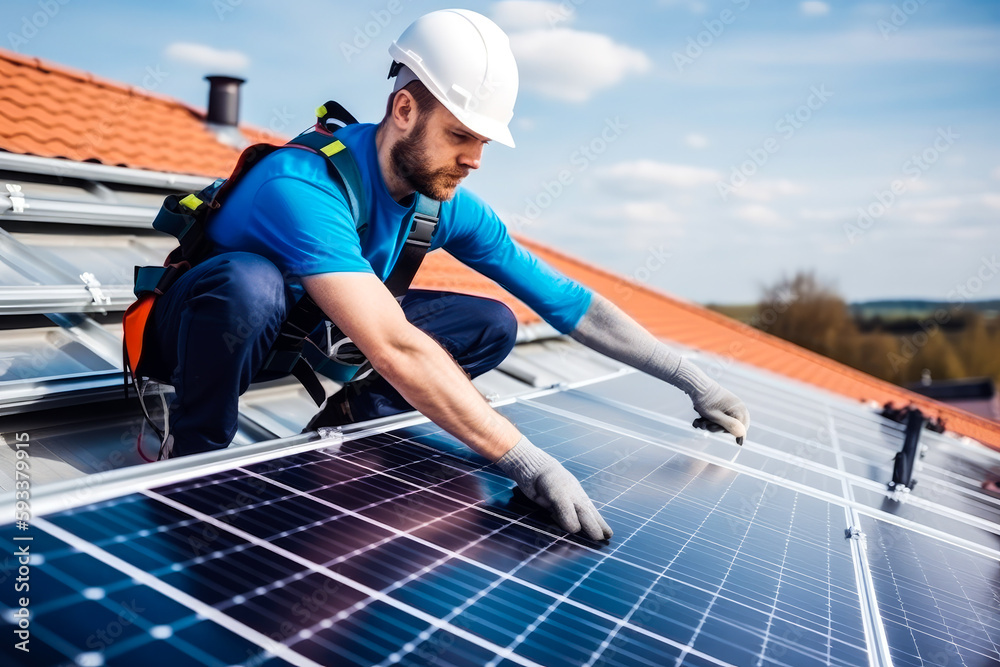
(86, 118)
(108, 126)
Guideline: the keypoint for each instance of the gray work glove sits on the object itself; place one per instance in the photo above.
(719, 408)
(548, 483)
(605, 328)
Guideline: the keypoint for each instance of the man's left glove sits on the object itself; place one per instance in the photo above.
(548, 483)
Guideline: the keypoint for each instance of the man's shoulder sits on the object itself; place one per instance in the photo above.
(309, 166)
(295, 163)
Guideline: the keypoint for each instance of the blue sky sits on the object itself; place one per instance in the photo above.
(707, 147)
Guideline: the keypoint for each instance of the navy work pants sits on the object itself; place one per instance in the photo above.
(211, 332)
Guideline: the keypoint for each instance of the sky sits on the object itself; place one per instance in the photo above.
(707, 148)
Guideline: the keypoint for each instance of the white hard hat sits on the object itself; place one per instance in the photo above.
(465, 61)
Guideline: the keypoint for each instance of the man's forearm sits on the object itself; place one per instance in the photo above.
(429, 379)
(410, 360)
(607, 329)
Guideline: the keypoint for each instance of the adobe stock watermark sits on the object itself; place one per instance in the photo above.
(786, 127)
(562, 12)
(898, 17)
(223, 7)
(656, 258)
(109, 634)
(779, 306)
(31, 25)
(914, 167)
(714, 28)
(580, 160)
(279, 121)
(365, 33)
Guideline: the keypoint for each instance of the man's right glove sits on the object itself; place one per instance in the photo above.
(548, 483)
(719, 408)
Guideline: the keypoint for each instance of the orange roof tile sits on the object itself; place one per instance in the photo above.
(88, 119)
(54, 111)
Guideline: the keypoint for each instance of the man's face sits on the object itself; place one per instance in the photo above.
(437, 154)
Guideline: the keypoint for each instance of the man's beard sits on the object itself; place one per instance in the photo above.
(409, 159)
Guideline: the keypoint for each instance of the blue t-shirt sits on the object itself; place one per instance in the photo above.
(289, 210)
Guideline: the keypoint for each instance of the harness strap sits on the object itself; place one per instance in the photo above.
(345, 168)
(423, 221)
(305, 374)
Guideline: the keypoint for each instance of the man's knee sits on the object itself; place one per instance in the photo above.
(499, 328)
(249, 283)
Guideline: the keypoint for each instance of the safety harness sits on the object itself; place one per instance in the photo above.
(187, 217)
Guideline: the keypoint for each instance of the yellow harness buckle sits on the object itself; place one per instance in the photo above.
(332, 148)
(192, 202)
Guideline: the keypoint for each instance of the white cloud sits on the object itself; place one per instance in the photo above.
(695, 140)
(207, 58)
(968, 233)
(526, 124)
(515, 15)
(572, 65)
(646, 213)
(827, 214)
(996, 173)
(767, 190)
(651, 176)
(919, 185)
(760, 215)
(867, 47)
(814, 8)
(992, 200)
(929, 211)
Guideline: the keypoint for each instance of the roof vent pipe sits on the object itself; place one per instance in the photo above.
(224, 99)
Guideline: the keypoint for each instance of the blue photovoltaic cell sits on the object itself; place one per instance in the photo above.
(404, 547)
(940, 604)
(81, 608)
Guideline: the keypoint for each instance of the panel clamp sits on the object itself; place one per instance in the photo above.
(16, 198)
(94, 287)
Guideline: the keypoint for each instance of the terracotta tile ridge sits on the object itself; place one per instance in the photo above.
(869, 381)
(20, 58)
(83, 76)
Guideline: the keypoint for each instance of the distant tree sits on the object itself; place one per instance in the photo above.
(938, 356)
(809, 313)
(978, 346)
(872, 355)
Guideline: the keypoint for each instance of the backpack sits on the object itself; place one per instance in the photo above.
(187, 217)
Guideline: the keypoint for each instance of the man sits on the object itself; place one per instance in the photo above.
(287, 225)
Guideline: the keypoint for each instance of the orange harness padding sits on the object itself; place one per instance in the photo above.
(134, 326)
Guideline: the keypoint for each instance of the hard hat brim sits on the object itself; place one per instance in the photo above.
(487, 127)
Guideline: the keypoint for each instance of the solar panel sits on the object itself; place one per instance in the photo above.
(402, 546)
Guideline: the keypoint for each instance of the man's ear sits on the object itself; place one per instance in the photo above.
(404, 110)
